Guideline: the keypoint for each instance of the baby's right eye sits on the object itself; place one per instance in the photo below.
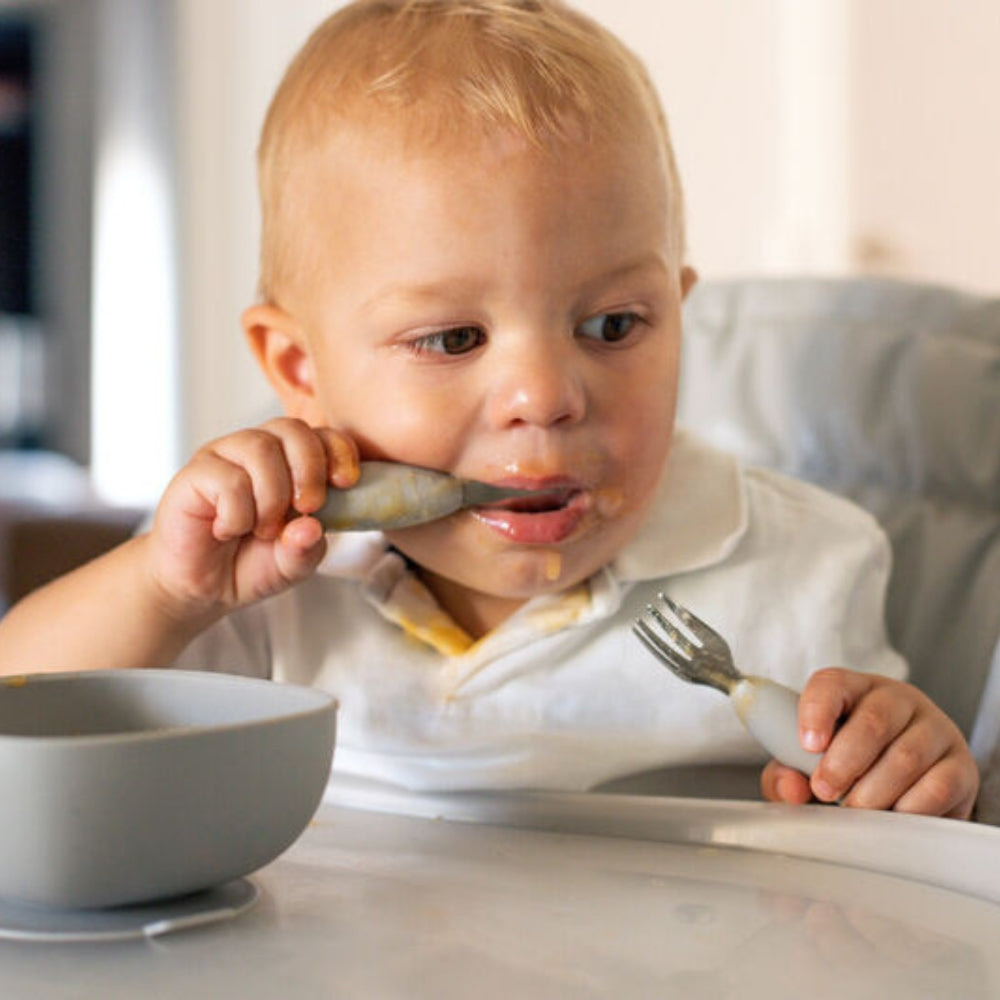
(457, 340)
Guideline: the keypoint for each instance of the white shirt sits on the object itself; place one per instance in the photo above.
(561, 695)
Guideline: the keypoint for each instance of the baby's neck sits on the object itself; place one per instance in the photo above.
(474, 612)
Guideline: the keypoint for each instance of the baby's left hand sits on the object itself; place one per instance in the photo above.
(893, 749)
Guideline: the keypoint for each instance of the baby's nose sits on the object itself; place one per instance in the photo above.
(538, 385)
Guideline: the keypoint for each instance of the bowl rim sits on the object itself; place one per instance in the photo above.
(321, 703)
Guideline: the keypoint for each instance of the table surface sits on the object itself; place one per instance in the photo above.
(556, 896)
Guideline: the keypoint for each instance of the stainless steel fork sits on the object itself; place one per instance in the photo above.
(695, 652)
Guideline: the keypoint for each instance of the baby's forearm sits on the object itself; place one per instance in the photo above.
(107, 614)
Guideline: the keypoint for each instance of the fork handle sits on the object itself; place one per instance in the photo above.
(771, 712)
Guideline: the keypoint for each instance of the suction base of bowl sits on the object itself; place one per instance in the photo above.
(20, 922)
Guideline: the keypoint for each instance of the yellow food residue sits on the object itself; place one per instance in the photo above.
(563, 610)
(553, 566)
(608, 501)
(15, 682)
(416, 612)
(440, 633)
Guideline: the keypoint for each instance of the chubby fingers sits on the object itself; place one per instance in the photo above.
(254, 477)
(887, 746)
(783, 784)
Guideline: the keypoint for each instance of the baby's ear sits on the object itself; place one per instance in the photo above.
(279, 345)
(689, 278)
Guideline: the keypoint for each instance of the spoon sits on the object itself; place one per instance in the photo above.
(391, 495)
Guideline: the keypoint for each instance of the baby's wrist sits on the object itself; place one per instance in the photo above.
(182, 615)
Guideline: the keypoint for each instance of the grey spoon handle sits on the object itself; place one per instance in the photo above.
(391, 495)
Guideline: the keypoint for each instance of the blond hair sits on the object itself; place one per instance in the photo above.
(447, 67)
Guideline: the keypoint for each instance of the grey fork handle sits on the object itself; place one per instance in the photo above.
(770, 712)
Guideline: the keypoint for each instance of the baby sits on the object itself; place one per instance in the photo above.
(473, 261)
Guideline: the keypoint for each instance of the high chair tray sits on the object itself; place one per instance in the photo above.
(537, 896)
(888, 843)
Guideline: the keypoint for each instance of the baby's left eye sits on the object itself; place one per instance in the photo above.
(609, 327)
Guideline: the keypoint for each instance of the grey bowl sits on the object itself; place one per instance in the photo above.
(127, 786)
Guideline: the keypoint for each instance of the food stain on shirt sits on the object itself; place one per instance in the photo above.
(414, 609)
(440, 633)
(565, 609)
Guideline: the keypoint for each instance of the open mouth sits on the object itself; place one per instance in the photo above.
(540, 503)
(547, 517)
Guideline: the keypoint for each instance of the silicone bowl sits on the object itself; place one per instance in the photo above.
(128, 786)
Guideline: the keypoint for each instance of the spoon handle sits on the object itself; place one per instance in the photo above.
(389, 495)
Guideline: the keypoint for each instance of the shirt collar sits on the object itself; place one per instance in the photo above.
(697, 517)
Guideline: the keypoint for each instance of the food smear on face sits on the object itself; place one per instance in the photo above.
(552, 566)
(608, 502)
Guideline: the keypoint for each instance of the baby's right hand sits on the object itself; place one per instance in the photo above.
(222, 537)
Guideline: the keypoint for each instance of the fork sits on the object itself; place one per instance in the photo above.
(695, 652)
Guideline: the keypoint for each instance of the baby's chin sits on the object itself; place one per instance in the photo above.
(540, 570)
(516, 577)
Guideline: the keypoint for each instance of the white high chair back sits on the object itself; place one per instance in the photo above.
(889, 393)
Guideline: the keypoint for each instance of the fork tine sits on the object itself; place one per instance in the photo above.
(669, 633)
(704, 636)
(667, 616)
(691, 648)
(657, 642)
(695, 625)
(664, 653)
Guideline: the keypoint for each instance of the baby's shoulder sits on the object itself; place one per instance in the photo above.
(779, 502)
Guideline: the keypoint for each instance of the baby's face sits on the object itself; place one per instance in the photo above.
(504, 316)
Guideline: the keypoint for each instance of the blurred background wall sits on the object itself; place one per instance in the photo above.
(825, 136)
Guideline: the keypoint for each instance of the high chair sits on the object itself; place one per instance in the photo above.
(887, 392)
